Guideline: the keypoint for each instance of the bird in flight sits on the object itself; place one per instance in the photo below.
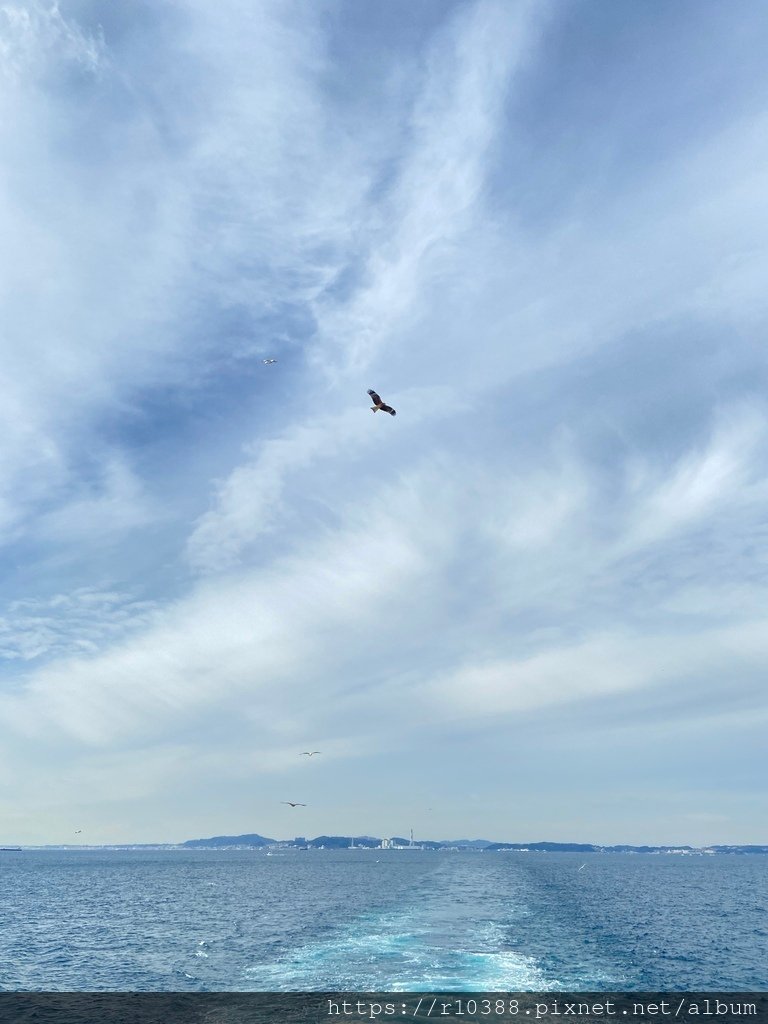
(309, 753)
(292, 805)
(78, 831)
(268, 362)
(379, 405)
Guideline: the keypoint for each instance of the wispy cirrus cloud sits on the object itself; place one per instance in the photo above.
(34, 31)
(129, 244)
(65, 625)
(438, 192)
(729, 469)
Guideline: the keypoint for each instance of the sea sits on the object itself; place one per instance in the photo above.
(380, 920)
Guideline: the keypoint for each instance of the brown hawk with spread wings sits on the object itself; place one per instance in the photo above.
(378, 404)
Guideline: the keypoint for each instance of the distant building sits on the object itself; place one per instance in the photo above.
(405, 846)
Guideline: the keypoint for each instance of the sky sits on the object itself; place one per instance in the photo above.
(532, 606)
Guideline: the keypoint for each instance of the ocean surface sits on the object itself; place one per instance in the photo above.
(388, 920)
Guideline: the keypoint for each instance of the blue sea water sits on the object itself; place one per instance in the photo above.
(396, 920)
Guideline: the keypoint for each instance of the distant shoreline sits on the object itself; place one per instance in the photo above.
(256, 842)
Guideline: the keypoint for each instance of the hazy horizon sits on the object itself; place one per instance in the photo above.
(531, 604)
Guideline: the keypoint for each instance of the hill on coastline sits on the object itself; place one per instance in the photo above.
(252, 839)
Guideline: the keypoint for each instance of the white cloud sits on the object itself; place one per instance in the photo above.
(36, 31)
(118, 504)
(118, 237)
(254, 636)
(605, 665)
(250, 502)
(332, 629)
(435, 203)
(703, 482)
(84, 620)
(254, 499)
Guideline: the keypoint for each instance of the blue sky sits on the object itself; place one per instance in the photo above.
(531, 606)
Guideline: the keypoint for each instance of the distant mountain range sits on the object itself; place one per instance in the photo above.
(253, 840)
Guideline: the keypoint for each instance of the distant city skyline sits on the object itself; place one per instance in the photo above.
(532, 603)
